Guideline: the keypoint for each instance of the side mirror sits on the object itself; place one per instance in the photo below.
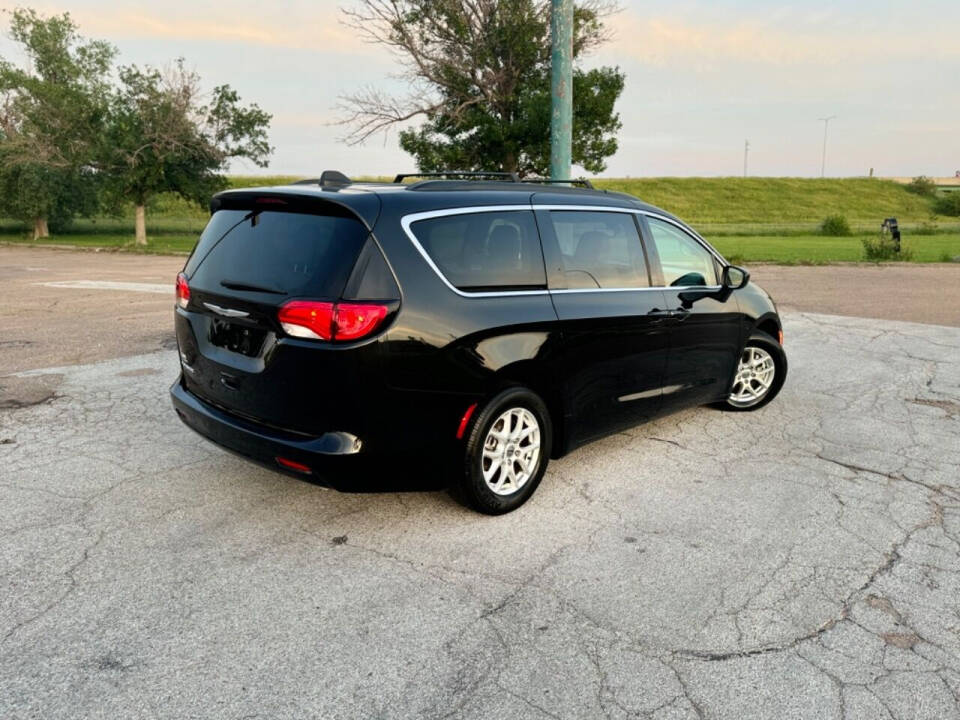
(735, 277)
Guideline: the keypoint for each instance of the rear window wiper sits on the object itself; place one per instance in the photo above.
(237, 285)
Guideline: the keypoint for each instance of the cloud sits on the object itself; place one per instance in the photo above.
(780, 39)
(312, 27)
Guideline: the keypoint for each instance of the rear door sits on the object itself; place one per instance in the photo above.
(614, 349)
(705, 322)
(235, 354)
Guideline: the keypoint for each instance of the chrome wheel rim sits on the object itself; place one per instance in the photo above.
(511, 451)
(754, 377)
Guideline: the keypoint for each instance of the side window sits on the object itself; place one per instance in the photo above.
(600, 249)
(484, 251)
(685, 261)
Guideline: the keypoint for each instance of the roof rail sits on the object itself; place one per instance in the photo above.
(550, 181)
(328, 178)
(508, 176)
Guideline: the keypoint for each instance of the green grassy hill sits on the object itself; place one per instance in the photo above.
(784, 202)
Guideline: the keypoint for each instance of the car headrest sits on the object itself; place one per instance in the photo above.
(591, 248)
(504, 244)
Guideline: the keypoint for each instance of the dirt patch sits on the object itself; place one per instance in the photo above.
(881, 603)
(950, 407)
(139, 372)
(169, 342)
(904, 641)
(22, 392)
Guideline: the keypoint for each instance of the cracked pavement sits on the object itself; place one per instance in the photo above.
(802, 561)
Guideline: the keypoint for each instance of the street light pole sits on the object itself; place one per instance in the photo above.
(746, 149)
(823, 160)
(561, 89)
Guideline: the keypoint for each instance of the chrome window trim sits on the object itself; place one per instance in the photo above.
(407, 220)
(566, 291)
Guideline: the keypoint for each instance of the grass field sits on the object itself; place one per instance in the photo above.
(747, 219)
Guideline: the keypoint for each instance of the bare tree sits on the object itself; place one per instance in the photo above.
(459, 57)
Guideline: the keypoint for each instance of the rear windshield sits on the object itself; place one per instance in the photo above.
(292, 253)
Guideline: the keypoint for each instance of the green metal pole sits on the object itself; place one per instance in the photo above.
(561, 88)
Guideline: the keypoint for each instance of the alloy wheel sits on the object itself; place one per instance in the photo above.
(511, 451)
(754, 377)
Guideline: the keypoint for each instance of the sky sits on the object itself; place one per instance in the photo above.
(702, 77)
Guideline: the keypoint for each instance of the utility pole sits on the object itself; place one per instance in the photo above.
(561, 88)
(746, 149)
(823, 160)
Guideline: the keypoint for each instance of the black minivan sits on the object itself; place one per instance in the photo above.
(491, 322)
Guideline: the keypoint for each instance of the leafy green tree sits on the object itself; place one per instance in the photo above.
(52, 115)
(163, 137)
(480, 76)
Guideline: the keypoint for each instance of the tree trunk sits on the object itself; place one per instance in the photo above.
(510, 161)
(141, 224)
(40, 229)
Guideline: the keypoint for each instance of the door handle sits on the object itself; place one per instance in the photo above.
(659, 316)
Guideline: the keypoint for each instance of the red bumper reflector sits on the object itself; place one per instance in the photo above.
(780, 337)
(293, 465)
(465, 420)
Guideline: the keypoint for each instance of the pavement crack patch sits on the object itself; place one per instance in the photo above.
(70, 573)
(664, 440)
(891, 558)
(944, 490)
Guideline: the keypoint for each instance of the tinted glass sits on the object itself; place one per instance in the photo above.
(294, 253)
(219, 224)
(480, 251)
(600, 249)
(685, 261)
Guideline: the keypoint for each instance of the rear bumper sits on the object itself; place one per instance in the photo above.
(263, 444)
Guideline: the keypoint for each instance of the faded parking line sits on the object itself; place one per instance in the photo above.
(110, 285)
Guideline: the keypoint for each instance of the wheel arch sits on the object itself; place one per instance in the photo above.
(533, 376)
(769, 324)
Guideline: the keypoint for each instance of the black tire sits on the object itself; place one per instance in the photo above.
(470, 487)
(763, 341)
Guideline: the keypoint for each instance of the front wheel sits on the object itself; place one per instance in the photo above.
(760, 373)
(506, 453)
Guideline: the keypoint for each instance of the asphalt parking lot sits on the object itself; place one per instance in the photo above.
(802, 561)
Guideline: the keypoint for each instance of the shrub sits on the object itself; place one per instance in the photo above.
(948, 204)
(835, 226)
(882, 248)
(922, 185)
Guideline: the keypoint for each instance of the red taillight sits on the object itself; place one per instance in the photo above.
(354, 321)
(330, 321)
(293, 465)
(304, 319)
(183, 291)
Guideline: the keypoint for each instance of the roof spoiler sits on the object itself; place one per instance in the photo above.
(328, 178)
